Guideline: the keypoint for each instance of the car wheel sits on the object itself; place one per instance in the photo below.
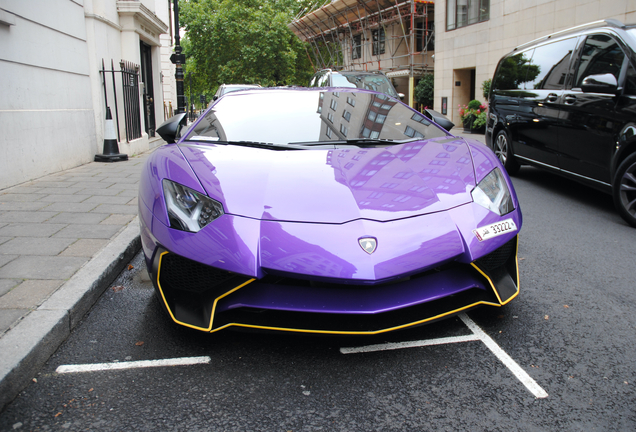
(501, 147)
(624, 190)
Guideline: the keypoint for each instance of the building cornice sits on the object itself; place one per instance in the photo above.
(148, 21)
(104, 20)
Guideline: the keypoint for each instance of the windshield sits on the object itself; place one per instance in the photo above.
(231, 89)
(379, 83)
(305, 116)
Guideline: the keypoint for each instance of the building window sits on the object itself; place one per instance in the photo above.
(344, 130)
(460, 13)
(410, 132)
(346, 115)
(351, 101)
(378, 41)
(356, 48)
(425, 36)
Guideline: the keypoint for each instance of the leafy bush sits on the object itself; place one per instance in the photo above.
(474, 104)
(475, 111)
(424, 91)
(485, 87)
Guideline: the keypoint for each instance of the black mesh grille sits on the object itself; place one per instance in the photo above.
(189, 275)
(498, 257)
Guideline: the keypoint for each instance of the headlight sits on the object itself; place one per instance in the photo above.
(189, 210)
(492, 193)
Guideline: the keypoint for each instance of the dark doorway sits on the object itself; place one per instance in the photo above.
(472, 84)
(148, 90)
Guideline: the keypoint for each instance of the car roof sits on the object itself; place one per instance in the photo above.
(353, 72)
(239, 85)
(606, 23)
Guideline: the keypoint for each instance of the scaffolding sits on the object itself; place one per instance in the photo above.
(393, 36)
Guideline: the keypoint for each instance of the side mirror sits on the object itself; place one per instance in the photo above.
(439, 118)
(603, 83)
(169, 130)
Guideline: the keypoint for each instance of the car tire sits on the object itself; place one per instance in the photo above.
(624, 190)
(503, 151)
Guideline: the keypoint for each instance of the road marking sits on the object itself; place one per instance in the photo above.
(95, 367)
(411, 344)
(478, 335)
(521, 375)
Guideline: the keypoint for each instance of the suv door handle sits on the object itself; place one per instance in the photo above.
(552, 97)
(569, 99)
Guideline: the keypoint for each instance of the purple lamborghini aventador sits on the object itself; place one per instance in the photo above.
(337, 211)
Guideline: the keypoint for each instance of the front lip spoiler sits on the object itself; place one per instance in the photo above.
(214, 309)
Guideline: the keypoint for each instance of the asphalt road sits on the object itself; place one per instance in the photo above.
(571, 330)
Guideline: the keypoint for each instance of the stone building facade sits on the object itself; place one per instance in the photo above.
(54, 93)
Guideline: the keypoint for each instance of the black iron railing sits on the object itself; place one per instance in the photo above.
(130, 89)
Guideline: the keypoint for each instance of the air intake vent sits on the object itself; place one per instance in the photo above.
(498, 257)
(188, 275)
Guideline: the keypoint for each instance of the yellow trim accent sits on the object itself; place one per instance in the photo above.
(336, 332)
(517, 282)
(209, 328)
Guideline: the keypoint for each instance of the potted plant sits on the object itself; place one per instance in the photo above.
(473, 116)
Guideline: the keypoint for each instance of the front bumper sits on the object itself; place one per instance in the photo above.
(211, 299)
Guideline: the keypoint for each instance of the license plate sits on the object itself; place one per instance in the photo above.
(494, 230)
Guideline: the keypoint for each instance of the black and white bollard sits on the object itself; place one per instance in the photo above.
(111, 148)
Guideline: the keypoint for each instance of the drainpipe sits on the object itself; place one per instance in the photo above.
(178, 59)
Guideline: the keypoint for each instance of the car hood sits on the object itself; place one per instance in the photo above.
(335, 185)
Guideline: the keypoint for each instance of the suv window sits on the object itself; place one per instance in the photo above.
(630, 81)
(338, 80)
(549, 65)
(323, 80)
(601, 54)
(512, 72)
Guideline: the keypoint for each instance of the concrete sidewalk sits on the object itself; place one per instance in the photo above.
(63, 239)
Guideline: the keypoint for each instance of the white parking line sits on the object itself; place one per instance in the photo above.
(183, 361)
(478, 334)
(411, 344)
(521, 375)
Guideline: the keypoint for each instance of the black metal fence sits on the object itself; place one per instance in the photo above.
(130, 89)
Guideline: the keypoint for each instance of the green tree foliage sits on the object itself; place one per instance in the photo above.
(195, 83)
(245, 41)
(424, 90)
(515, 70)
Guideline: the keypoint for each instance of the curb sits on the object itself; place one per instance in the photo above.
(26, 347)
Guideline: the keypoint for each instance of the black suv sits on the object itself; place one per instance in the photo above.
(567, 103)
(375, 81)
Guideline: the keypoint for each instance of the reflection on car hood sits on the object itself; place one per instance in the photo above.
(336, 185)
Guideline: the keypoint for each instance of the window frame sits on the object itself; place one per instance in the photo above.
(378, 36)
(453, 13)
(356, 47)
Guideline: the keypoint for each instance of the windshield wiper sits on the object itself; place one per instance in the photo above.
(356, 141)
(254, 144)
